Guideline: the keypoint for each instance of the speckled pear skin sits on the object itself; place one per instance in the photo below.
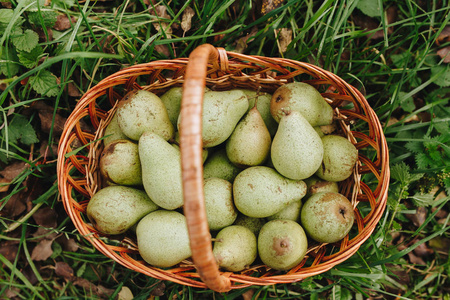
(263, 106)
(297, 149)
(261, 191)
(162, 238)
(140, 111)
(222, 110)
(113, 132)
(254, 224)
(114, 209)
(317, 185)
(218, 165)
(282, 244)
(235, 248)
(339, 158)
(172, 102)
(249, 144)
(161, 171)
(327, 217)
(120, 164)
(220, 210)
(291, 212)
(304, 98)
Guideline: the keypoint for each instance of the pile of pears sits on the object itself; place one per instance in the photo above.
(271, 172)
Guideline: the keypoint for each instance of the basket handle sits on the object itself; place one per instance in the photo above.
(192, 166)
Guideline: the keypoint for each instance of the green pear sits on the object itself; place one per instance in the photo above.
(282, 244)
(218, 165)
(235, 248)
(327, 217)
(163, 239)
(249, 144)
(120, 164)
(297, 149)
(254, 224)
(262, 101)
(339, 158)
(290, 212)
(114, 209)
(113, 132)
(141, 111)
(316, 185)
(222, 110)
(261, 191)
(161, 171)
(304, 98)
(220, 210)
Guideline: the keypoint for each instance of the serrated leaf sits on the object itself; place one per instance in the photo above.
(44, 83)
(6, 15)
(45, 18)
(416, 147)
(444, 79)
(9, 66)
(30, 59)
(400, 172)
(26, 41)
(19, 129)
(369, 8)
(407, 104)
(423, 161)
(415, 176)
(422, 200)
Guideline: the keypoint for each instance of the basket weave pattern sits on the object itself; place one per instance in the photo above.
(79, 179)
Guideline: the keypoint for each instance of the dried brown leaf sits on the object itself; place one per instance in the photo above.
(269, 5)
(42, 250)
(72, 90)
(284, 38)
(423, 250)
(444, 36)
(162, 49)
(14, 206)
(68, 244)
(125, 294)
(99, 290)
(419, 217)
(158, 291)
(445, 54)
(63, 269)
(241, 43)
(46, 117)
(440, 243)
(4, 185)
(248, 295)
(9, 250)
(13, 170)
(46, 217)
(186, 19)
(63, 22)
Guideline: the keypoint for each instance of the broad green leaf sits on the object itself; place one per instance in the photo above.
(422, 200)
(48, 18)
(444, 79)
(6, 15)
(26, 41)
(407, 104)
(400, 172)
(30, 59)
(369, 8)
(63, 3)
(9, 66)
(19, 129)
(44, 83)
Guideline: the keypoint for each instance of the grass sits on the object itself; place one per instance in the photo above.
(400, 72)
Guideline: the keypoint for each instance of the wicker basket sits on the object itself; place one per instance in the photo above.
(79, 149)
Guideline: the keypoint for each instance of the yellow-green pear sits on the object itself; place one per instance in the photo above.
(262, 101)
(163, 239)
(261, 191)
(282, 244)
(141, 111)
(297, 149)
(120, 164)
(291, 212)
(316, 185)
(339, 158)
(254, 224)
(304, 98)
(249, 144)
(220, 210)
(161, 170)
(115, 209)
(113, 132)
(235, 248)
(218, 165)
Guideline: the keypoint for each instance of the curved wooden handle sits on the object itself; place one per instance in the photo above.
(192, 167)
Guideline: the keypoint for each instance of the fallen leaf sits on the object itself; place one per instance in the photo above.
(186, 18)
(162, 49)
(96, 290)
(419, 217)
(46, 117)
(269, 5)
(48, 152)
(371, 24)
(284, 38)
(9, 250)
(63, 269)
(445, 54)
(444, 36)
(30, 275)
(72, 90)
(13, 170)
(248, 295)
(43, 37)
(14, 206)
(46, 217)
(423, 250)
(68, 244)
(241, 43)
(159, 289)
(63, 22)
(4, 185)
(161, 12)
(125, 294)
(441, 244)
(42, 250)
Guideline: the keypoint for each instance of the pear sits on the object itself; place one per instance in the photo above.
(282, 244)
(317, 185)
(163, 239)
(141, 111)
(249, 144)
(254, 224)
(120, 164)
(262, 101)
(261, 191)
(327, 217)
(302, 97)
(113, 132)
(220, 210)
(115, 209)
(291, 212)
(161, 171)
(235, 248)
(297, 149)
(339, 158)
(218, 165)
(221, 113)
